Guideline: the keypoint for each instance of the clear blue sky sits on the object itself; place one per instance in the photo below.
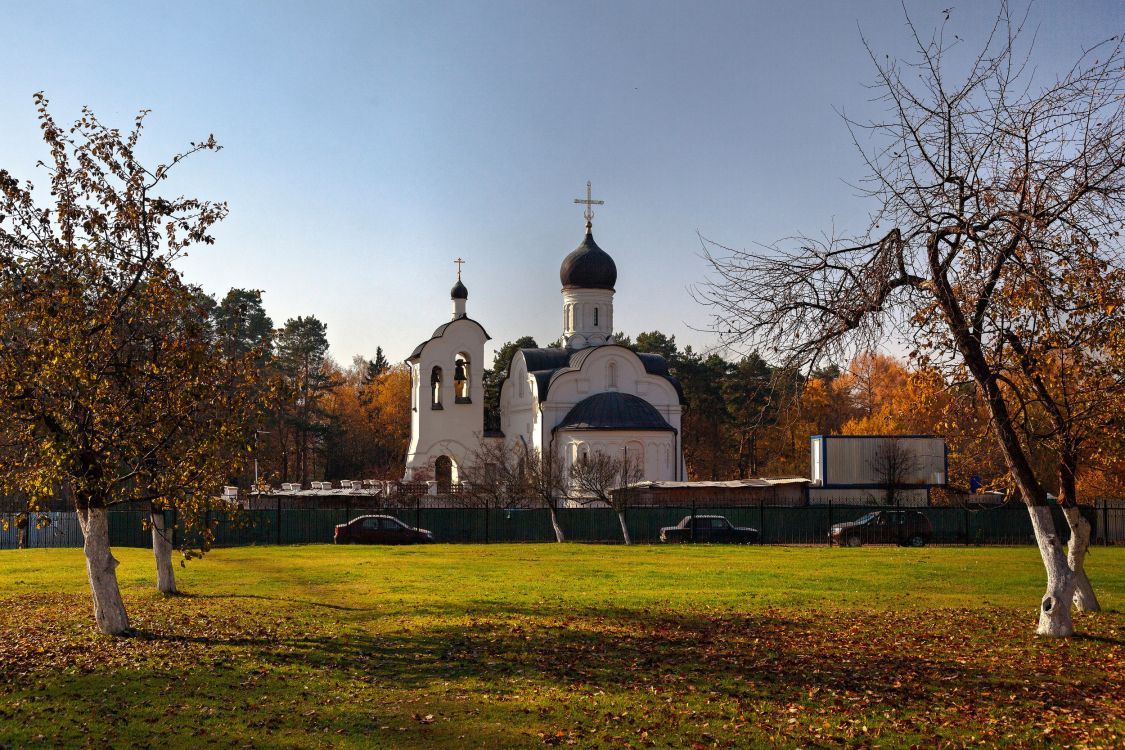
(368, 144)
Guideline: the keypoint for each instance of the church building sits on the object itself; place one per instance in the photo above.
(590, 395)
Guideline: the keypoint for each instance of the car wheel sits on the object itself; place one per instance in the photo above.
(854, 540)
(917, 541)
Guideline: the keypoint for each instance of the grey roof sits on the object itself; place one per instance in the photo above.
(440, 331)
(614, 411)
(545, 365)
(588, 267)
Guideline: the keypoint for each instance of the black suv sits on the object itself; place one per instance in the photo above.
(902, 527)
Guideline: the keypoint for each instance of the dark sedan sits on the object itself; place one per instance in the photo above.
(902, 527)
(715, 529)
(380, 530)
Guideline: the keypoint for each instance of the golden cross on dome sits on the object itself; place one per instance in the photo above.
(458, 262)
(590, 203)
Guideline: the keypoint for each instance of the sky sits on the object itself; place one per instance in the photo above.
(366, 145)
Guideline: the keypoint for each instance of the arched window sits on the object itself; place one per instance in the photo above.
(443, 473)
(461, 379)
(435, 388)
(611, 376)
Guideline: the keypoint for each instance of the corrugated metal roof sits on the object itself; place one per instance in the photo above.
(729, 484)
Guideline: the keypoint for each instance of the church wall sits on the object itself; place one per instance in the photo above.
(658, 450)
(518, 404)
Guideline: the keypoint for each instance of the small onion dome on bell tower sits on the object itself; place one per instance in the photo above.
(588, 267)
(459, 293)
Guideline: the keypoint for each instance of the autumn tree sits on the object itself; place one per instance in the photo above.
(111, 388)
(997, 195)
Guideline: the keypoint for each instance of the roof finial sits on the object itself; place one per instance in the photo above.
(458, 262)
(589, 210)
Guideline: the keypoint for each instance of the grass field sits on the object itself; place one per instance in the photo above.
(569, 645)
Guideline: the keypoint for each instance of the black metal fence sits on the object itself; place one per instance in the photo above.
(288, 522)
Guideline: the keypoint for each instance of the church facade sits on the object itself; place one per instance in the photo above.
(589, 395)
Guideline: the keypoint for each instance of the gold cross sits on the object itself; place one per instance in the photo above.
(588, 212)
(458, 262)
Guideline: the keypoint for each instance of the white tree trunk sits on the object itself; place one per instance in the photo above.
(1054, 610)
(555, 525)
(624, 528)
(1084, 597)
(162, 551)
(101, 568)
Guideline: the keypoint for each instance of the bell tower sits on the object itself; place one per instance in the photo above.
(447, 394)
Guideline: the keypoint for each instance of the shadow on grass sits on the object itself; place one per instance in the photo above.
(889, 660)
(285, 599)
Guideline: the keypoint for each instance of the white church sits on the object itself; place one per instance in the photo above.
(590, 395)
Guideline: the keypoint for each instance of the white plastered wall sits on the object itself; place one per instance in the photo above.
(455, 429)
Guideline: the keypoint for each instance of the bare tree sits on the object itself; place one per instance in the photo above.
(893, 464)
(999, 201)
(492, 478)
(542, 477)
(606, 477)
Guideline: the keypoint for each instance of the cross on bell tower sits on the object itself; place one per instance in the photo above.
(589, 202)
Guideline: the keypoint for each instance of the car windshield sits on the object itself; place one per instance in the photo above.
(867, 517)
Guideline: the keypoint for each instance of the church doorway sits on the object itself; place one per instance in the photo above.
(443, 473)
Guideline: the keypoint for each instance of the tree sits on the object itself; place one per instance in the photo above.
(655, 342)
(606, 477)
(377, 366)
(241, 323)
(542, 477)
(752, 403)
(995, 199)
(893, 464)
(302, 358)
(493, 477)
(111, 388)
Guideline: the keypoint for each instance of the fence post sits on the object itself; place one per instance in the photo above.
(965, 514)
(1105, 521)
(761, 520)
(417, 511)
(277, 519)
(693, 518)
(486, 515)
(829, 522)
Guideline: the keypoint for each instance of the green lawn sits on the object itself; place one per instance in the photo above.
(572, 645)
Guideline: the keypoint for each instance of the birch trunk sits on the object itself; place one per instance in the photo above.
(1084, 598)
(555, 525)
(1054, 610)
(624, 528)
(162, 551)
(101, 568)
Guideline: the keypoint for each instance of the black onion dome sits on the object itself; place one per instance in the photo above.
(588, 267)
(459, 291)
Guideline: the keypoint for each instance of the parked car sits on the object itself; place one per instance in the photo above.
(708, 529)
(380, 530)
(902, 527)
